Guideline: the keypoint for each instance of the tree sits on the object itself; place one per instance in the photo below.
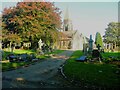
(98, 40)
(31, 21)
(112, 33)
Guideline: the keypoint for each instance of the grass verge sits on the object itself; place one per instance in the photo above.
(15, 65)
(92, 74)
(108, 54)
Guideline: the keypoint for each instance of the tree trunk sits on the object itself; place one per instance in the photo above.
(115, 46)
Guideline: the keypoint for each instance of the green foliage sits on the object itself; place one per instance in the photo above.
(91, 74)
(98, 40)
(112, 34)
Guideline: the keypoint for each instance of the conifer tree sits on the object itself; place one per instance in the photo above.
(98, 40)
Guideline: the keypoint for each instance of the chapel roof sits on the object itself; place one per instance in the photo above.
(69, 33)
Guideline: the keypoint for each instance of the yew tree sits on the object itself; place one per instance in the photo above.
(98, 40)
(30, 21)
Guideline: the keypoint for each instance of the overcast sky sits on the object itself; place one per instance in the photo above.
(87, 17)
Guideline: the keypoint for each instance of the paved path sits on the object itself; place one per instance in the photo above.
(42, 74)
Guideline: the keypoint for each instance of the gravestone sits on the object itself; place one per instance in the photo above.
(98, 46)
(12, 57)
(23, 57)
(96, 55)
(82, 58)
(40, 44)
(85, 48)
(90, 44)
(26, 45)
(32, 56)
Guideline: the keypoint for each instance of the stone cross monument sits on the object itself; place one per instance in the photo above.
(40, 44)
(90, 44)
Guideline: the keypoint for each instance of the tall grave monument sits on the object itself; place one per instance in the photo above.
(90, 44)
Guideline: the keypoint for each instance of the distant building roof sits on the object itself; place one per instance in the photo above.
(64, 36)
(69, 33)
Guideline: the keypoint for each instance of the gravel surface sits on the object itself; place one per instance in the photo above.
(41, 75)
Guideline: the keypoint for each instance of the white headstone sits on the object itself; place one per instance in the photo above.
(40, 44)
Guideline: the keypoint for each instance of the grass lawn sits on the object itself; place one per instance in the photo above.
(92, 74)
(14, 65)
(16, 51)
(108, 54)
(21, 51)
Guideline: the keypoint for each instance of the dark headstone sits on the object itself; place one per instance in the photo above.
(32, 56)
(96, 54)
(98, 46)
(12, 57)
(23, 57)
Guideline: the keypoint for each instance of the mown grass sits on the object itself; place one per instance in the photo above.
(109, 54)
(14, 65)
(111, 57)
(92, 74)
(21, 51)
(16, 51)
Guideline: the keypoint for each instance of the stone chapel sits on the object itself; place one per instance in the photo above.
(70, 38)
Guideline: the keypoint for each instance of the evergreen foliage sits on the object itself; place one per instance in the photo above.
(98, 40)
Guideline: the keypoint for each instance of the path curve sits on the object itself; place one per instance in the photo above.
(42, 74)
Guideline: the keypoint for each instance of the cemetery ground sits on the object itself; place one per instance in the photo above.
(79, 74)
(94, 74)
(6, 65)
(41, 74)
